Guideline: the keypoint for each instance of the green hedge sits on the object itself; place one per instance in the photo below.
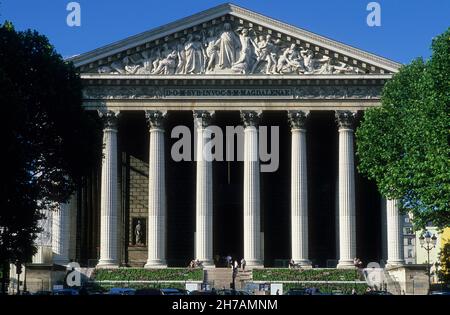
(345, 288)
(136, 274)
(304, 275)
(107, 286)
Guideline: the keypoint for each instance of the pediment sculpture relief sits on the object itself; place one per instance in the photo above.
(224, 50)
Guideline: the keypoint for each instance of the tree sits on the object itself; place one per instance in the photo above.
(404, 144)
(48, 141)
(444, 263)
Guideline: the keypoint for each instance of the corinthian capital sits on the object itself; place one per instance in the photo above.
(109, 118)
(345, 119)
(203, 118)
(155, 118)
(297, 118)
(250, 118)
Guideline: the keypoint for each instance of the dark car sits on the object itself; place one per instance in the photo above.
(377, 293)
(440, 293)
(122, 291)
(173, 291)
(148, 292)
(203, 292)
(296, 292)
(43, 292)
(66, 292)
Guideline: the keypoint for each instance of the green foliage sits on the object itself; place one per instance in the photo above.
(138, 274)
(404, 144)
(48, 140)
(444, 264)
(304, 275)
(345, 288)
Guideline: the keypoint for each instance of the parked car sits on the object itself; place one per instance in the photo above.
(43, 292)
(440, 293)
(65, 292)
(296, 292)
(150, 291)
(196, 292)
(377, 293)
(173, 291)
(121, 291)
(231, 292)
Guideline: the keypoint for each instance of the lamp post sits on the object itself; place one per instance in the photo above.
(428, 242)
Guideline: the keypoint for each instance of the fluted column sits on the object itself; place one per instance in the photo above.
(109, 192)
(384, 244)
(204, 195)
(252, 211)
(299, 188)
(394, 234)
(156, 192)
(61, 234)
(347, 225)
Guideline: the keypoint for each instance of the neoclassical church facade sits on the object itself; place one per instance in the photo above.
(228, 66)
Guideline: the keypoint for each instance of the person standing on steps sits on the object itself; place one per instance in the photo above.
(243, 264)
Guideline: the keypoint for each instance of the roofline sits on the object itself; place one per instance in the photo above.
(237, 11)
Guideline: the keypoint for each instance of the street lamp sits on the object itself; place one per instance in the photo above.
(428, 242)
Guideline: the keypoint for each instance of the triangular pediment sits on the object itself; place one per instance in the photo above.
(228, 39)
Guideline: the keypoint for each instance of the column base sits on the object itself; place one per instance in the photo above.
(346, 264)
(61, 262)
(254, 263)
(156, 264)
(107, 264)
(303, 263)
(394, 263)
(207, 263)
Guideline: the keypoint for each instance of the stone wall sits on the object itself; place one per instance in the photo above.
(138, 205)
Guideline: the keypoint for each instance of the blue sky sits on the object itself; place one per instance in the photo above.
(407, 26)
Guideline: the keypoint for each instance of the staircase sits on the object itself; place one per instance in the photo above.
(243, 277)
(218, 278)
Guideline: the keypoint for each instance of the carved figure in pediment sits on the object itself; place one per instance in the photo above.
(242, 65)
(264, 53)
(290, 61)
(181, 55)
(228, 44)
(146, 63)
(156, 58)
(195, 54)
(212, 51)
(167, 65)
(308, 60)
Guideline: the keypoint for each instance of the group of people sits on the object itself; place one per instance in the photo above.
(195, 263)
(235, 264)
(241, 51)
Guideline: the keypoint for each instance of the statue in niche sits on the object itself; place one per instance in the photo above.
(242, 65)
(264, 53)
(212, 51)
(228, 44)
(139, 233)
(194, 55)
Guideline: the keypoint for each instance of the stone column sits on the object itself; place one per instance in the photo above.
(156, 192)
(61, 234)
(252, 211)
(204, 195)
(109, 192)
(394, 234)
(299, 189)
(383, 229)
(347, 225)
